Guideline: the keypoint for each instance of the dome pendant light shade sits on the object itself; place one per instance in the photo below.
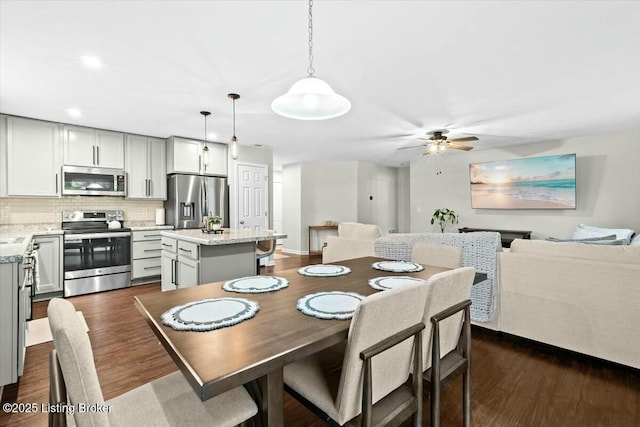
(311, 99)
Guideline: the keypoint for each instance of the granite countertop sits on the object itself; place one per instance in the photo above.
(150, 227)
(14, 252)
(229, 237)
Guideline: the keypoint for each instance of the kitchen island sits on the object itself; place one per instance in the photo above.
(191, 257)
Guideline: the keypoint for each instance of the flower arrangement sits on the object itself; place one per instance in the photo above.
(443, 217)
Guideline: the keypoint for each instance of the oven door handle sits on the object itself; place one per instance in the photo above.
(77, 237)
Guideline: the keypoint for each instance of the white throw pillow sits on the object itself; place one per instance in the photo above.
(582, 231)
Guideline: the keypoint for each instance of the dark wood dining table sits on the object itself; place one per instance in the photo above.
(256, 350)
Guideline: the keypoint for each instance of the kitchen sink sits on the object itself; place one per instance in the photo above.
(10, 240)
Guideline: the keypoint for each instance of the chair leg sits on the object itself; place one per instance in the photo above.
(466, 396)
(258, 266)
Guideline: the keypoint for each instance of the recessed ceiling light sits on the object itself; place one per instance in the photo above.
(212, 135)
(92, 62)
(74, 112)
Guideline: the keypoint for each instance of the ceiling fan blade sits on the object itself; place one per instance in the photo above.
(464, 139)
(460, 147)
(412, 146)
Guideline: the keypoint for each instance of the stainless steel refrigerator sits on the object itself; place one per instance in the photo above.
(192, 197)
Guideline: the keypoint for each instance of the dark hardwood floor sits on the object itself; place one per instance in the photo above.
(514, 382)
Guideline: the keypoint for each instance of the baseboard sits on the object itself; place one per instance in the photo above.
(293, 251)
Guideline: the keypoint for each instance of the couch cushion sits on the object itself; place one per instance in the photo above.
(583, 231)
(355, 230)
(620, 254)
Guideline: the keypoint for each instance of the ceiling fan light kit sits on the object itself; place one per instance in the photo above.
(311, 98)
(438, 143)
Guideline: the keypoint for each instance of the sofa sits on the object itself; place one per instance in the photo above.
(354, 240)
(584, 298)
(479, 250)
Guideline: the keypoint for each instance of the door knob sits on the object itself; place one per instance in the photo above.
(241, 221)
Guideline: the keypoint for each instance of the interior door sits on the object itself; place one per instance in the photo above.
(252, 197)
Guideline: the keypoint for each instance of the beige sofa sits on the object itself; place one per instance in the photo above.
(584, 298)
(354, 240)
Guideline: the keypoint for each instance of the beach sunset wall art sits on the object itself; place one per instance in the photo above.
(547, 182)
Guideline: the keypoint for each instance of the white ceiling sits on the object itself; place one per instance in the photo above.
(508, 72)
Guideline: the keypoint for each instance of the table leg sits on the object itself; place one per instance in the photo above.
(268, 392)
(274, 396)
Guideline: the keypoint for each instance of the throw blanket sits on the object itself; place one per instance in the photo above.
(479, 250)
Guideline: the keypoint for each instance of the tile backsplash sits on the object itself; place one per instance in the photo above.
(48, 211)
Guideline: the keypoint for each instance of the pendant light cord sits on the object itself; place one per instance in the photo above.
(234, 118)
(311, 70)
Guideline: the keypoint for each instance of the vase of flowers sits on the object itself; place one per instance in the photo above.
(215, 223)
(443, 217)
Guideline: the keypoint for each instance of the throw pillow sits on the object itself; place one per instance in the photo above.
(605, 240)
(582, 231)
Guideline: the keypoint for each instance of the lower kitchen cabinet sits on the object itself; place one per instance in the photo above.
(180, 264)
(12, 325)
(49, 266)
(146, 255)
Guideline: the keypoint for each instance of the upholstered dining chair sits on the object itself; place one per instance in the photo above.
(264, 248)
(437, 255)
(363, 381)
(447, 337)
(168, 401)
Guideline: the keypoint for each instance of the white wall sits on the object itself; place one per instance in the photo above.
(336, 191)
(377, 198)
(403, 196)
(291, 215)
(607, 185)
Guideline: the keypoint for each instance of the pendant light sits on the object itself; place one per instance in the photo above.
(311, 98)
(234, 140)
(205, 149)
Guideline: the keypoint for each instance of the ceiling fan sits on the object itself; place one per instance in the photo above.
(437, 142)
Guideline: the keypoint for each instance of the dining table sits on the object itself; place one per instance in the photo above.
(256, 350)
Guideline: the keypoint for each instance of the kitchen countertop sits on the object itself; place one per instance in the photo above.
(229, 237)
(14, 252)
(150, 227)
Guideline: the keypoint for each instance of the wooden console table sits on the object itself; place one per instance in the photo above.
(319, 228)
(506, 236)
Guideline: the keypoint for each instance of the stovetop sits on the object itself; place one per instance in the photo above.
(76, 222)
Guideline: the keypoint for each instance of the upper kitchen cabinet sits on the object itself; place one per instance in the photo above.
(186, 156)
(33, 157)
(146, 167)
(93, 147)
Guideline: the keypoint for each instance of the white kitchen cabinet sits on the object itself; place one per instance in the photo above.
(146, 255)
(146, 167)
(180, 264)
(33, 157)
(93, 147)
(3, 155)
(185, 156)
(9, 328)
(49, 264)
(168, 263)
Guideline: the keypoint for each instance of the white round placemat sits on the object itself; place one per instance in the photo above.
(324, 270)
(255, 284)
(330, 305)
(209, 314)
(392, 282)
(397, 266)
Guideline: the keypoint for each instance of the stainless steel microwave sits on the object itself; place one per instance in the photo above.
(86, 181)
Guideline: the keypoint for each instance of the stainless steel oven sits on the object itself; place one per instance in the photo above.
(97, 255)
